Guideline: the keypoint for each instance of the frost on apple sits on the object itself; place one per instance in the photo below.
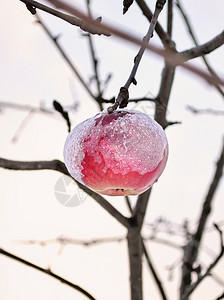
(117, 154)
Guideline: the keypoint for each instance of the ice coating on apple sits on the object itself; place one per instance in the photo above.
(117, 154)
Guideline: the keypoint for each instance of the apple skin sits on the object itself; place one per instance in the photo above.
(117, 154)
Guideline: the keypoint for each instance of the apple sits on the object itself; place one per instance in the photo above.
(117, 154)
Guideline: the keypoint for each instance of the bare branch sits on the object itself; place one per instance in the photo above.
(59, 166)
(209, 111)
(22, 126)
(143, 99)
(172, 57)
(192, 248)
(95, 63)
(122, 99)
(31, 111)
(58, 107)
(165, 242)
(64, 55)
(135, 245)
(71, 241)
(204, 49)
(135, 250)
(128, 203)
(139, 211)
(47, 272)
(210, 195)
(148, 259)
(126, 5)
(25, 107)
(68, 18)
(221, 297)
(154, 273)
(209, 269)
(210, 69)
(96, 241)
(55, 165)
(164, 95)
(165, 38)
(170, 17)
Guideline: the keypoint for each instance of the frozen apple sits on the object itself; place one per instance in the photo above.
(122, 153)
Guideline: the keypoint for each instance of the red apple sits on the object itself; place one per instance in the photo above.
(122, 153)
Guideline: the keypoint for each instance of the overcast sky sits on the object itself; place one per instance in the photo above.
(33, 72)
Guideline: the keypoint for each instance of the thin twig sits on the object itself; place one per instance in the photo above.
(31, 111)
(96, 241)
(59, 166)
(192, 248)
(136, 100)
(122, 99)
(68, 18)
(71, 241)
(26, 107)
(161, 241)
(55, 165)
(204, 49)
(128, 203)
(154, 273)
(47, 272)
(95, 62)
(164, 37)
(221, 296)
(64, 55)
(193, 36)
(126, 5)
(22, 126)
(58, 107)
(172, 57)
(139, 210)
(192, 287)
(209, 111)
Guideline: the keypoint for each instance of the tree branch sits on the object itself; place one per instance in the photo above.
(123, 96)
(170, 17)
(209, 111)
(135, 251)
(164, 95)
(155, 276)
(139, 211)
(209, 269)
(68, 18)
(136, 100)
(172, 57)
(55, 165)
(59, 166)
(25, 107)
(165, 38)
(135, 245)
(190, 30)
(72, 241)
(204, 49)
(145, 252)
(192, 248)
(66, 58)
(221, 296)
(95, 63)
(47, 272)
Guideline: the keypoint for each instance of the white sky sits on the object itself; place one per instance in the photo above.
(32, 71)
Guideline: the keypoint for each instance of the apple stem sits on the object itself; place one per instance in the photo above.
(122, 99)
